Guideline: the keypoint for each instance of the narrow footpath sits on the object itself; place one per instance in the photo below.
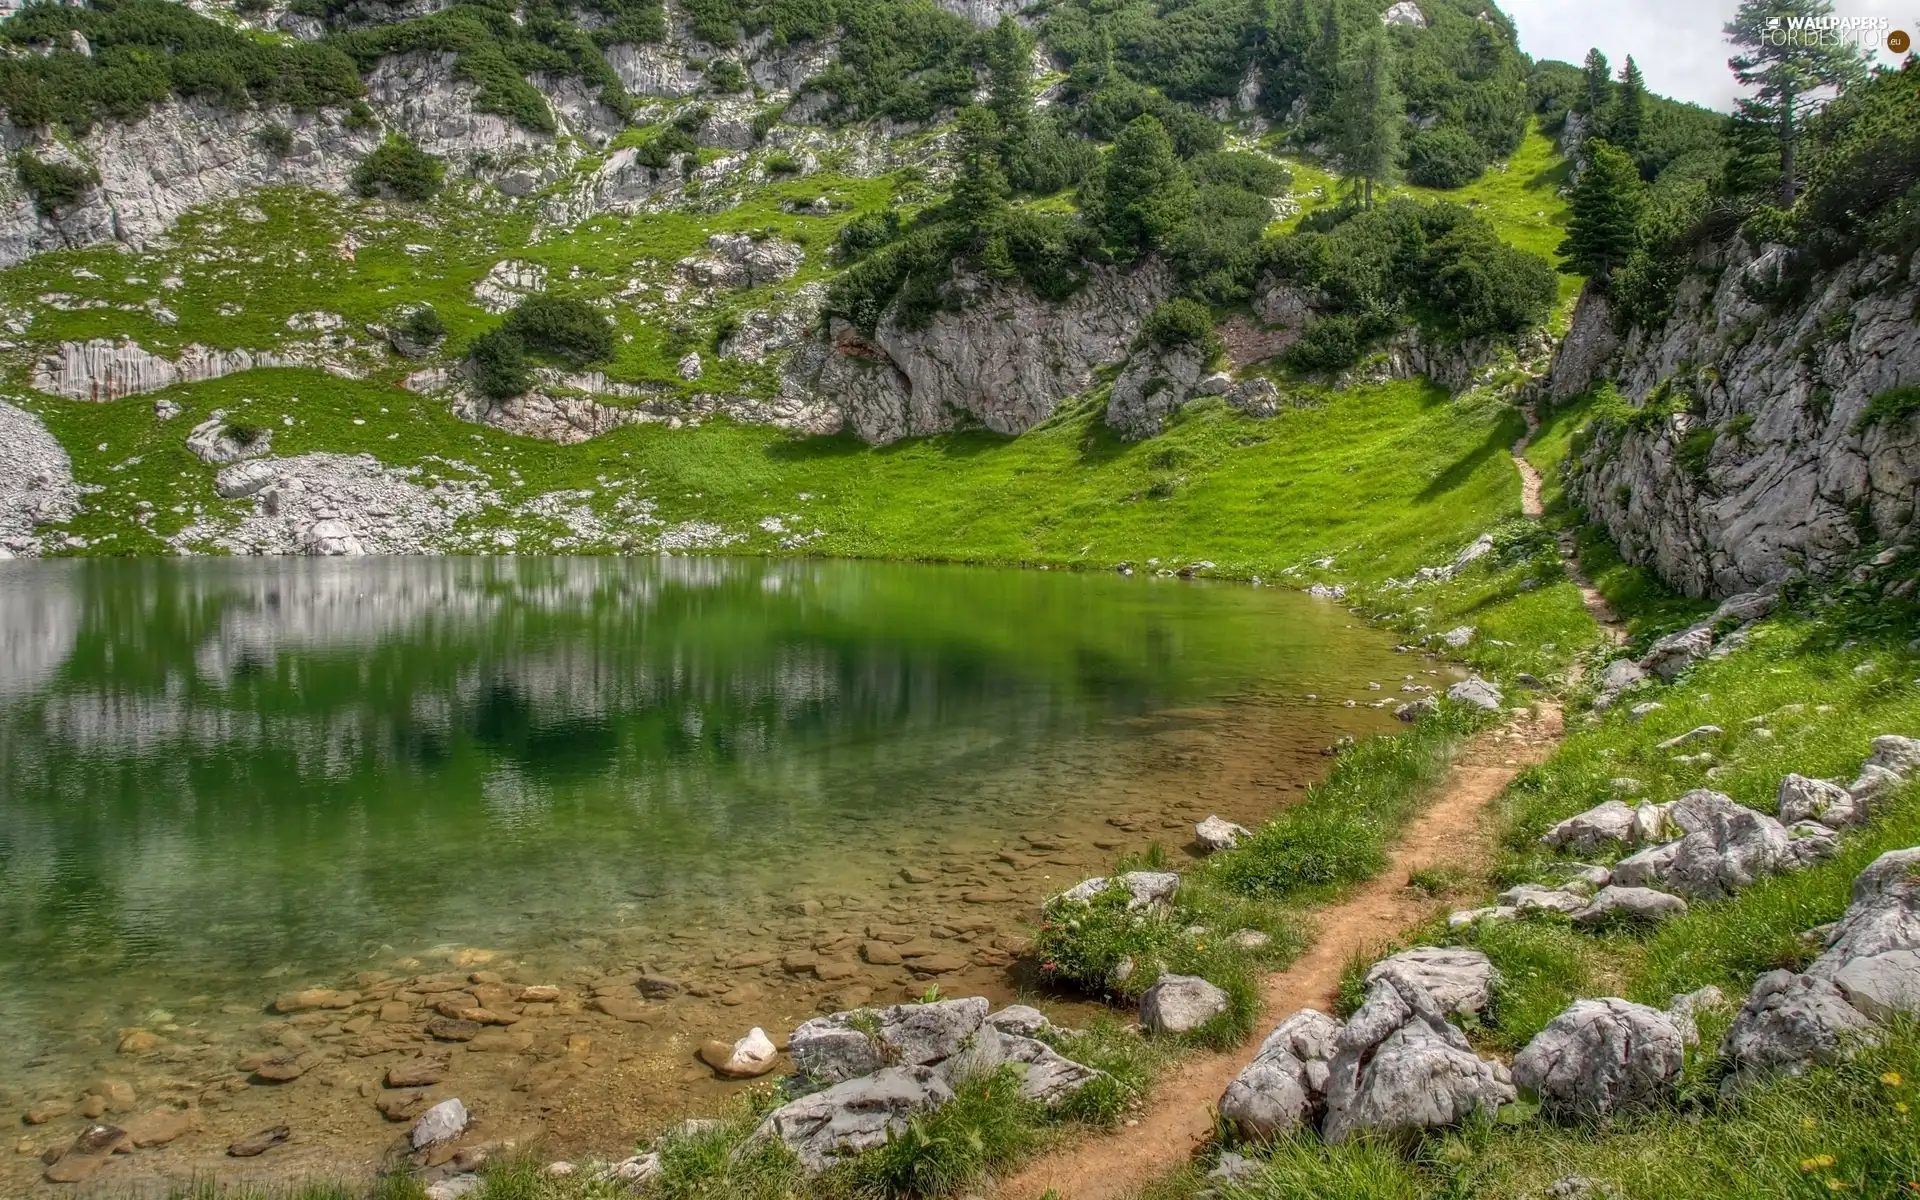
(1455, 831)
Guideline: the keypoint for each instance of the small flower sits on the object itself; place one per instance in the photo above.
(1818, 1162)
(1835, 1185)
(1900, 1106)
(1892, 1079)
(1806, 1122)
(1049, 966)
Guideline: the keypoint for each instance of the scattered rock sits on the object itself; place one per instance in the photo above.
(854, 1115)
(1728, 846)
(88, 1153)
(1804, 799)
(623, 1008)
(1284, 1087)
(1621, 674)
(1144, 888)
(1602, 827)
(447, 1029)
(846, 1045)
(1476, 692)
(750, 1057)
(1617, 903)
(441, 1123)
(1684, 1011)
(1601, 1057)
(1460, 980)
(1699, 733)
(1417, 710)
(1674, 653)
(1180, 1004)
(159, 1127)
(1020, 1020)
(415, 1073)
(1530, 897)
(1791, 1022)
(1873, 953)
(255, 1144)
(1217, 833)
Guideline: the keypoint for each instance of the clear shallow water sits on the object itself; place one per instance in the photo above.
(218, 778)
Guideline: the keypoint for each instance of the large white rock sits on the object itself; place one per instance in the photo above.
(1727, 848)
(1477, 693)
(1674, 653)
(443, 1122)
(1804, 799)
(1180, 1004)
(1460, 980)
(853, 1116)
(859, 1042)
(1217, 833)
(1602, 827)
(1399, 1066)
(1601, 1057)
(1871, 953)
(1616, 903)
(1284, 1088)
(1791, 1022)
(1144, 888)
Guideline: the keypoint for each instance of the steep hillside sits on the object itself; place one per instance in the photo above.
(1756, 388)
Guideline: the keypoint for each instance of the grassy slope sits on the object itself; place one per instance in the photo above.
(1847, 1130)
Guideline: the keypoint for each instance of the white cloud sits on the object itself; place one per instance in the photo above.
(1678, 46)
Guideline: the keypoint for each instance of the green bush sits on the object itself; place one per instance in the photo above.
(1180, 322)
(276, 139)
(145, 51)
(399, 167)
(499, 364)
(867, 232)
(662, 149)
(1444, 157)
(726, 76)
(782, 163)
(424, 325)
(1328, 344)
(562, 327)
(1891, 407)
(1249, 172)
(53, 186)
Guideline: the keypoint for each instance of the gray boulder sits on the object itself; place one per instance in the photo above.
(847, 1045)
(1745, 607)
(1646, 867)
(1699, 733)
(1020, 1020)
(1901, 755)
(1217, 833)
(1674, 653)
(1621, 674)
(1476, 692)
(1727, 848)
(1810, 842)
(1531, 897)
(1871, 955)
(1804, 799)
(1460, 980)
(1636, 904)
(854, 1116)
(1180, 1004)
(1144, 888)
(1791, 1022)
(1047, 1077)
(1601, 1057)
(1416, 710)
(1399, 1066)
(1285, 1086)
(1601, 827)
(1874, 785)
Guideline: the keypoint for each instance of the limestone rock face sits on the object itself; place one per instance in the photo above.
(1776, 499)
(1284, 1087)
(1399, 1066)
(1602, 827)
(1873, 954)
(36, 485)
(104, 369)
(1144, 888)
(1600, 1057)
(1629, 904)
(1155, 383)
(1003, 358)
(1803, 799)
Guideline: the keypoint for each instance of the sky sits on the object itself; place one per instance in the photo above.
(1677, 43)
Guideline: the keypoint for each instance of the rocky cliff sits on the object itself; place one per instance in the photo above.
(1001, 358)
(1755, 450)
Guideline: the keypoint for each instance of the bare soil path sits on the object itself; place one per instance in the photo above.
(1455, 831)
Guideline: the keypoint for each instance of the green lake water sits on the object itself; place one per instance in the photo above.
(216, 775)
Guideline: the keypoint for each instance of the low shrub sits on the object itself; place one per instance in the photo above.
(499, 364)
(276, 139)
(562, 327)
(424, 325)
(401, 169)
(1181, 323)
(53, 186)
(1445, 157)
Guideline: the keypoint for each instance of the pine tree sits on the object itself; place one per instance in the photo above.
(1370, 115)
(1629, 109)
(1329, 51)
(1604, 225)
(980, 186)
(1794, 72)
(1010, 85)
(1141, 195)
(1598, 96)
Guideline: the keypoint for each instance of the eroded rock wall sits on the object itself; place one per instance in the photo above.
(1789, 480)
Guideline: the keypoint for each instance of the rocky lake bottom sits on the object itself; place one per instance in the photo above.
(719, 797)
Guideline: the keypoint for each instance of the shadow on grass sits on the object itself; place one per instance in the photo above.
(1496, 443)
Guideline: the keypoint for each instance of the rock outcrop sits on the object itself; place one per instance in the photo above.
(1000, 358)
(104, 369)
(1600, 1057)
(36, 482)
(1765, 466)
(1285, 1086)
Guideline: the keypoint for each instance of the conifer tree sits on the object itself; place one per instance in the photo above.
(1010, 85)
(1604, 225)
(1793, 69)
(1370, 115)
(980, 186)
(1596, 97)
(1141, 195)
(1629, 109)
